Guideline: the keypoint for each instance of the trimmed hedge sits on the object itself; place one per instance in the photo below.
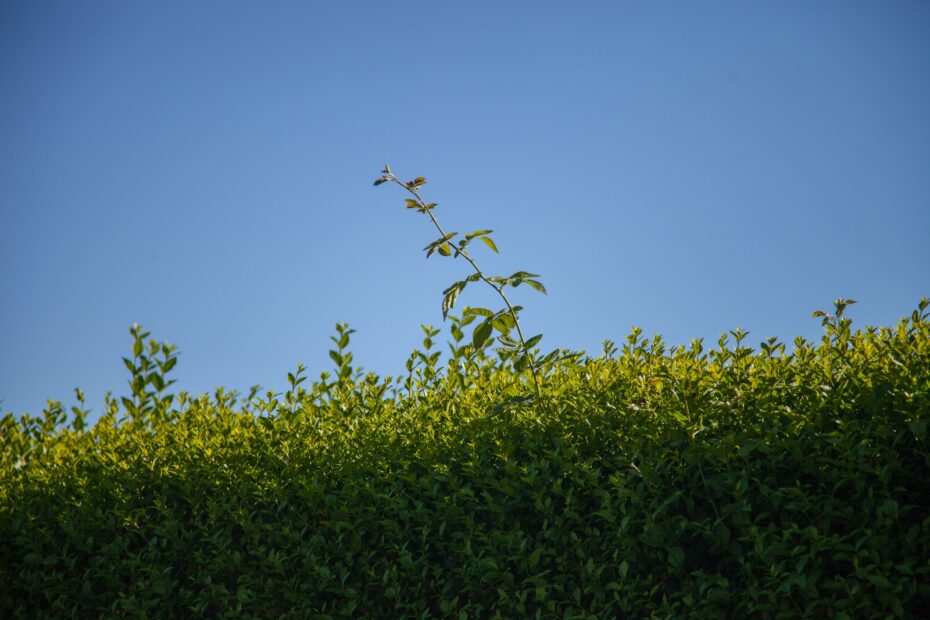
(647, 482)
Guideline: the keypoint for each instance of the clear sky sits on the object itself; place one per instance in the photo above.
(205, 169)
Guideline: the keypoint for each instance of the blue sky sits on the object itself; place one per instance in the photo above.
(205, 169)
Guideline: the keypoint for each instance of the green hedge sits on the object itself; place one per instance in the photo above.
(776, 482)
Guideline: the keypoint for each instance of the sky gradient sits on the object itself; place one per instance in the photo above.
(205, 169)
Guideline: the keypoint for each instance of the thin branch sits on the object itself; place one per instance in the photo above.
(498, 288)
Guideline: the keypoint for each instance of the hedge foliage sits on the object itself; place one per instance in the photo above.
(650, 481)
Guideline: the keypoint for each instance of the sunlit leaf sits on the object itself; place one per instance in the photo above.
(477, 233)
(490, 243)
(536, 284)
(473, 310)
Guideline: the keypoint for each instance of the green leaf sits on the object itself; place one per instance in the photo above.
(477, 233)
(676, 557)
(502, 325)
(521, 363)
(490, 243)
(508, 342)
(533, 341)
(445, 250)
(481, 335)
(507, 320)
(624, 569)
(438, 243)
(534, 557)
(536, 284)
(469, 310)
(518, 401)
(412, 204)
(461, 284)
(451, 295)
(32, 559)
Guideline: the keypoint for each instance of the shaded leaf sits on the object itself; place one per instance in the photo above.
(481, 335)
(448, 301)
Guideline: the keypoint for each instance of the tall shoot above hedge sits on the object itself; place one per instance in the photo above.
(519, 351)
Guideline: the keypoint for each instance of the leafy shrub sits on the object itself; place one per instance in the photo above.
(656, 481)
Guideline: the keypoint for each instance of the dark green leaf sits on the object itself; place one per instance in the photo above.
(452, 294)
(481, 334)
(533, 341)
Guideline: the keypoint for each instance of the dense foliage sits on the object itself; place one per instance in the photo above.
(647, 482)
